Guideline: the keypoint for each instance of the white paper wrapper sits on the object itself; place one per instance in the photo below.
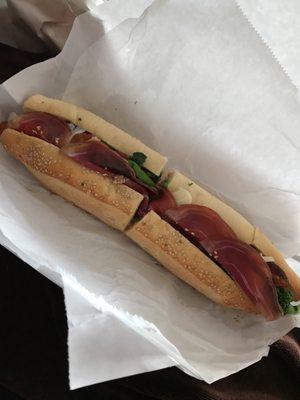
(197, 83)
(102, 348)
(34, 23)
(31, 24)
(278, 23)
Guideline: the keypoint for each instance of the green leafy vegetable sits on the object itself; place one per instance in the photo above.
(138, 158)
(141, 174)
(293, 309)
(154, 177)
(284, 298)
(165, 183)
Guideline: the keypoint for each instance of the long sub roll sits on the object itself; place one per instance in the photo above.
(116, 178)
(217, 251)
(84, 159)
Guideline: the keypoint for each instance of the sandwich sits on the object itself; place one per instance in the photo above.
(118, 179)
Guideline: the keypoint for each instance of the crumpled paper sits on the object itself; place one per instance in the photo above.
(33, 23)
(178, 78)
(116, 349)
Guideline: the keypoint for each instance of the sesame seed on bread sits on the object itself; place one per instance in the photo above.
(244, 230)
(187, 262)
(112, 202)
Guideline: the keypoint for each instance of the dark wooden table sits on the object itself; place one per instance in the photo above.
(33, 339)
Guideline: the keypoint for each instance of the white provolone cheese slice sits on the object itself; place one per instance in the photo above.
(268, 259)
(182, 196)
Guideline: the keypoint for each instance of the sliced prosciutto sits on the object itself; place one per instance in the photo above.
(248, 269)
(95, 153)
(143, 208)
(162, 203)
(206, 229)
(199, 222)
(98, 157)
(43, 126)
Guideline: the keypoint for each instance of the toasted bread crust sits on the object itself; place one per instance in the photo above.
(117, 203)
(107, 132)
(187, 262)
(106, 213)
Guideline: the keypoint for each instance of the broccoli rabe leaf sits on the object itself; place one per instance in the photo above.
(141, 174)
(284, 298)
(293, 309)
(154, 177)
(138, 157)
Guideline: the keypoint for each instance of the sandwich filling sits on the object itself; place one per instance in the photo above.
(89, 151)
(261, 281)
